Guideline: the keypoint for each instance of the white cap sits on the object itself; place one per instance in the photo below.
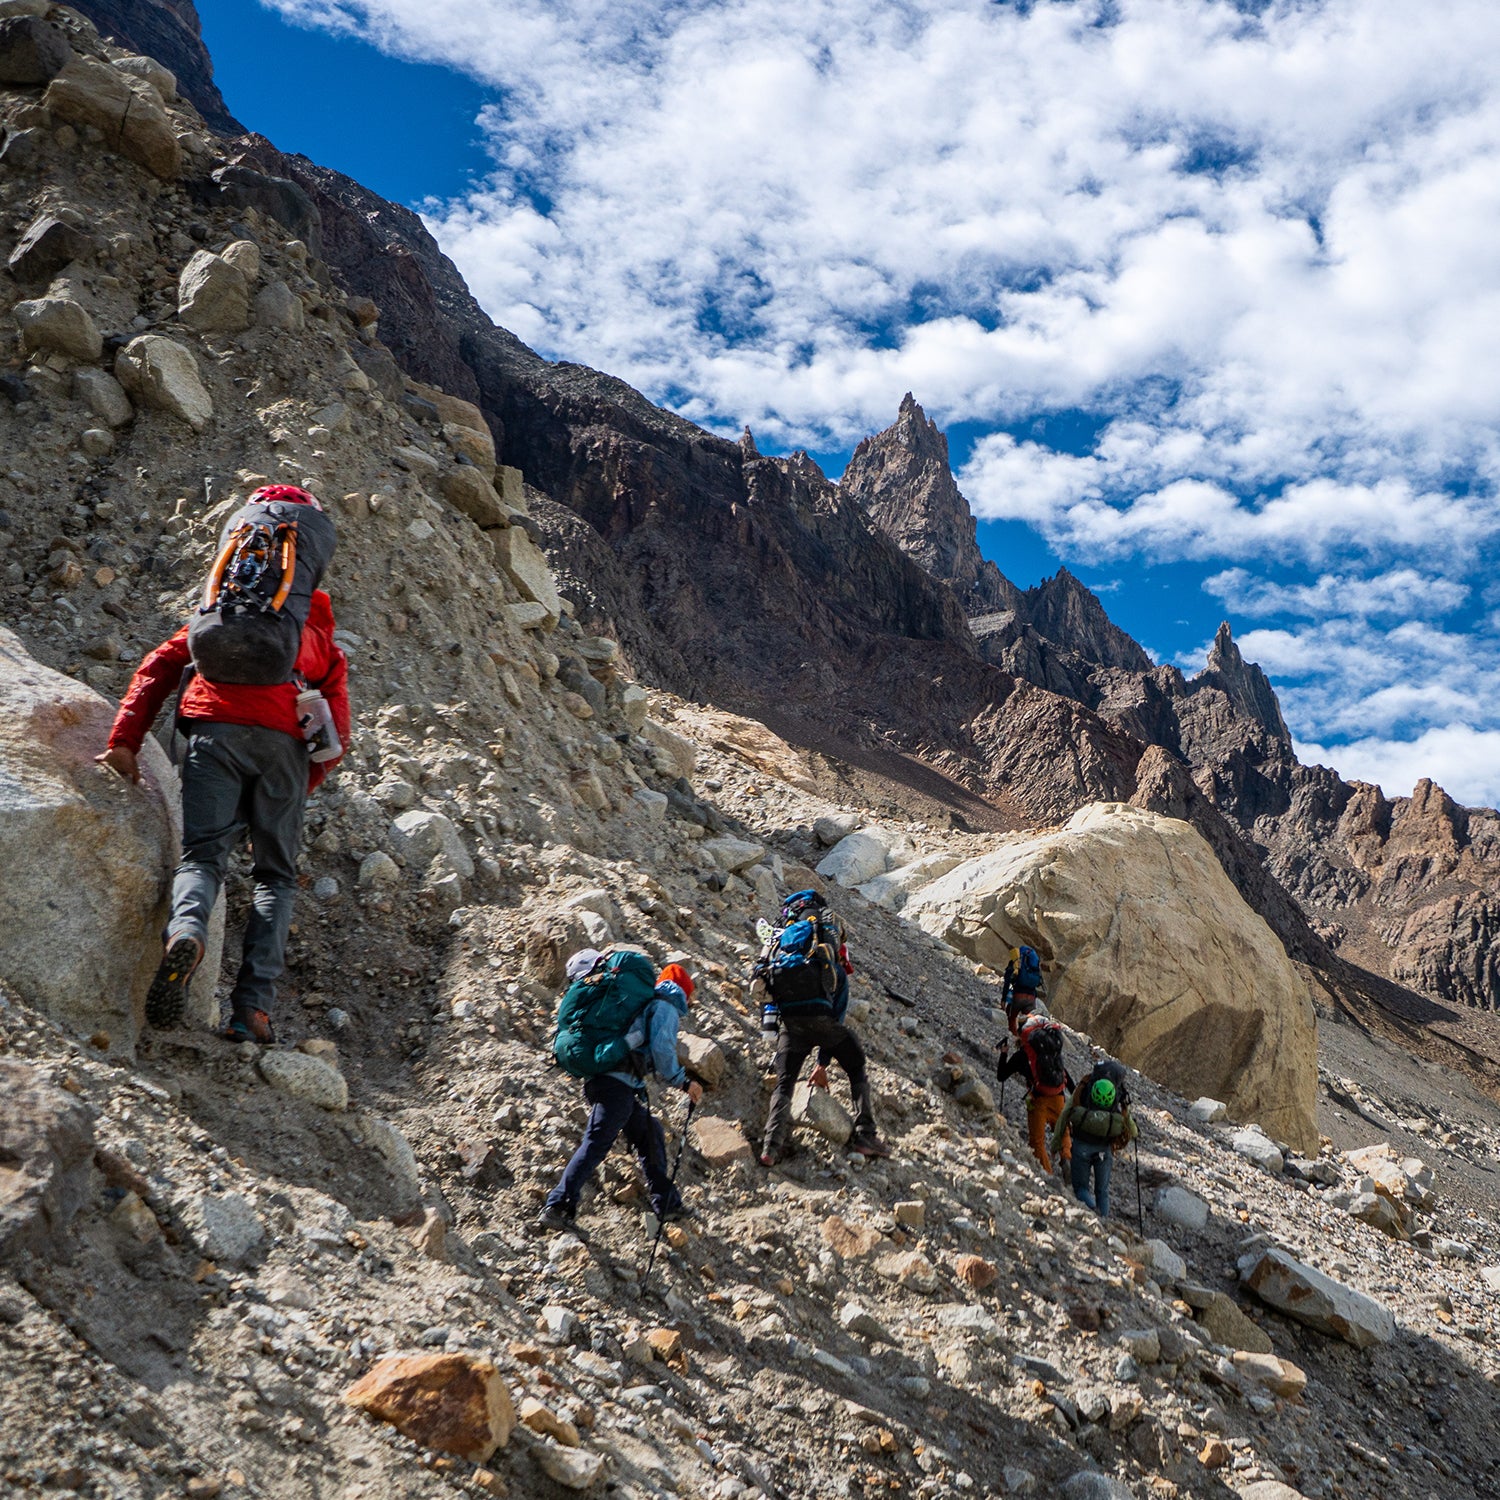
(582, 961)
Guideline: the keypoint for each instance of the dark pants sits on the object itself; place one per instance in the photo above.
(799, 1036)
(1092, 1159)
(237, 779)
(618, 1108)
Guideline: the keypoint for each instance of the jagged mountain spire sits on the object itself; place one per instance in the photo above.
(1244, 684)
(902, 478)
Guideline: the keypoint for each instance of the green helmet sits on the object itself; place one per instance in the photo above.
(1102, 1094)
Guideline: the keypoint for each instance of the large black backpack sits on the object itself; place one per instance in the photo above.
(1044, 1044)
(1103, 1124)
(800, 962)
(248, 628)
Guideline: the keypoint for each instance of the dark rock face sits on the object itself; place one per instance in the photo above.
(46, 1148)
(31, 51)
(902, 478)
(169, 31)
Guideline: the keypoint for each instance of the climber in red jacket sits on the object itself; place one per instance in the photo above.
(247, 768)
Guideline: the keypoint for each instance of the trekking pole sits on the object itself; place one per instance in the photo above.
(661, 1223)
(1140, 1219)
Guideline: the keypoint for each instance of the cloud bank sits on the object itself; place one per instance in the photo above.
(1256, 246)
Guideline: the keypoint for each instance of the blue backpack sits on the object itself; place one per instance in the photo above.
(801, 961)
(1029, 971)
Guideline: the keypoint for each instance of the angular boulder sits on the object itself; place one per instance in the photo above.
(31, 51)
(309, 1079)
(1152, 952)
(103, 395)
(128, 114)
(466, 489)
(81, 949)
(819, 1110)
(59, 325)
(162, 374)
(49, 244)
(213, 296)
(720, 1142)
(46, 1152)
(453, 1403)
(1317, 1300)
(855, 859)
(424, 836)
(527, 568)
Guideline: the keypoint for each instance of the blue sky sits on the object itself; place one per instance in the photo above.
(1204, 293)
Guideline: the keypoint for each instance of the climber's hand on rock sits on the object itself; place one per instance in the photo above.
(122, 762)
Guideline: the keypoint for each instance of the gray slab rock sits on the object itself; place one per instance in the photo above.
(226, 1227)
(279, 308)
(49, 244)
(855, 859)
(103, 395)
(1094, 1486)
(422, 836)
(1255, 1145)
(162, 374)
(46, 1151)
(1317, 1300)
(1178, 1206)
(59, 325)
(309, 1079)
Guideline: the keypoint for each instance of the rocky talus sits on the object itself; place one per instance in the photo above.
(312, 1270)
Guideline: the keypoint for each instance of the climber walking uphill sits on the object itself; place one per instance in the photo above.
(1099, 1117)
(1021, 985)
(803, 974)
(263, 702)
(616, 1025)
(1039, 1058)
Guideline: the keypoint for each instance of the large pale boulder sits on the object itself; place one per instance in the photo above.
(125, 110)
(1152, 952)
(85, 858)
(163, 374)
(855, 859)
(892, 889)
(58, 325)
(213, 295)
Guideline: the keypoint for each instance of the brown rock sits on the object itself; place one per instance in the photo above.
(1214, 1454)
(667, 1346)
(454, 1403)
(1222, 1320)
(720, 1142)
(849, 1241)
(1280, 1376)
(431, 1236)
(975, 1271)
(541, 1418)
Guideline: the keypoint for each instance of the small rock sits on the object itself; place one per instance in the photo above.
(309, 1079)
(59, 325)
(454, 1403)
(703, 1058)
(1165, 1261)
(911, 1213)
(820, 1111)
(720, 1142)
(1143, 1344)
(1178, 1206)
(573, 1468)
(849, 1241)
(1208, 1111)
(976, 1272)
(559, 1325)
(225, 1225)
(541, 1418)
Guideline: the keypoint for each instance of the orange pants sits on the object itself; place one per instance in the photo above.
(1043, 1111)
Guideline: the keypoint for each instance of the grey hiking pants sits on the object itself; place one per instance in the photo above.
(237, 779)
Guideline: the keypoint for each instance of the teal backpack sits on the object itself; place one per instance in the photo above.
(598, 1010)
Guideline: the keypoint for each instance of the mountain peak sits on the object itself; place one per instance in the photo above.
(1243, 683)
(902, 478)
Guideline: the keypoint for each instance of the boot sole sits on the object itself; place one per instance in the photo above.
(167, 997)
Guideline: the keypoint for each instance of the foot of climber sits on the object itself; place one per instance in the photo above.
(872, 1147)
(249, 1026)
(168, 993)
(555, 1219)
(769, 1158)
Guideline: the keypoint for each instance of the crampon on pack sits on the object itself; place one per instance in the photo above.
(597, 1012)
(272, 555)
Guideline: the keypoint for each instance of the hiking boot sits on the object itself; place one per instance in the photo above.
(674, 1214)
(249, 1026)
(769, 1158)
(555, 1218)
(872, 1147)
(167, 996)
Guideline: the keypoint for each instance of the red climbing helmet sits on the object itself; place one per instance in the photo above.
(290, 494)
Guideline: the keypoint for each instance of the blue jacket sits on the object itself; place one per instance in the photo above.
(653, 1039)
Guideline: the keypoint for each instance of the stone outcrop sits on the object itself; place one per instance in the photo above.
(87, 857)
(1317, 1300)
(127, 112)
(1149, 949)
